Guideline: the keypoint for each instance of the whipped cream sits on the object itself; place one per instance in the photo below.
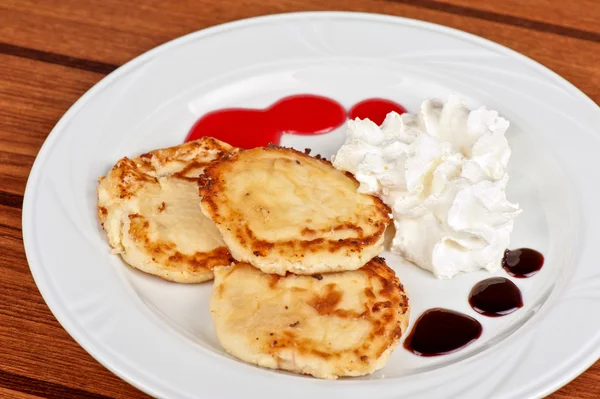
(443, 174)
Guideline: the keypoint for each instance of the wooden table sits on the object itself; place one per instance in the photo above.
(52, 51)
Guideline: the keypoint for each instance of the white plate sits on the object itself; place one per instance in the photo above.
(158, 335)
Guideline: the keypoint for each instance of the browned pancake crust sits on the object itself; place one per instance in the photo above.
(166, 253)
(381, 311)
(129, 177)
(213, 183)
(384, 306)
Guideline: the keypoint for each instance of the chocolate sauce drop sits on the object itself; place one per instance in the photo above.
(522, 262)
(441, 331)
(496, 296)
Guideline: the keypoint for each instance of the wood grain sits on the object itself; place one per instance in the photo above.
(37, 357)
(29, 107)
(79, 29)
(51, 52)
(587, 386)
(582, 15)
(11, 394)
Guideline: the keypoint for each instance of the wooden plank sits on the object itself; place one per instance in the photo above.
(586, 386)
(10, 217)
(81, 29)
(30, 105)
(580, 14)
(10, 394)
(35, 348)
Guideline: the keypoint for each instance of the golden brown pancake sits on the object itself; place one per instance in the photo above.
(284, 211)
(329, 326)
(150, 210)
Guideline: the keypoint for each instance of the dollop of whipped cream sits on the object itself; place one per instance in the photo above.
(443, 174)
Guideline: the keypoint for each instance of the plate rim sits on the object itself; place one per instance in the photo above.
(54, 303)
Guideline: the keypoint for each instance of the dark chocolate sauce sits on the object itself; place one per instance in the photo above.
(496, 296)
(441, 331)
(522, 262)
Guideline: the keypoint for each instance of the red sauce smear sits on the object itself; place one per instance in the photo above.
(303, 114)
(375, 109)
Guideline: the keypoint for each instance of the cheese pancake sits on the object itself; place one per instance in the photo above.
(150, 210)
(331, 325)
(284, 211)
